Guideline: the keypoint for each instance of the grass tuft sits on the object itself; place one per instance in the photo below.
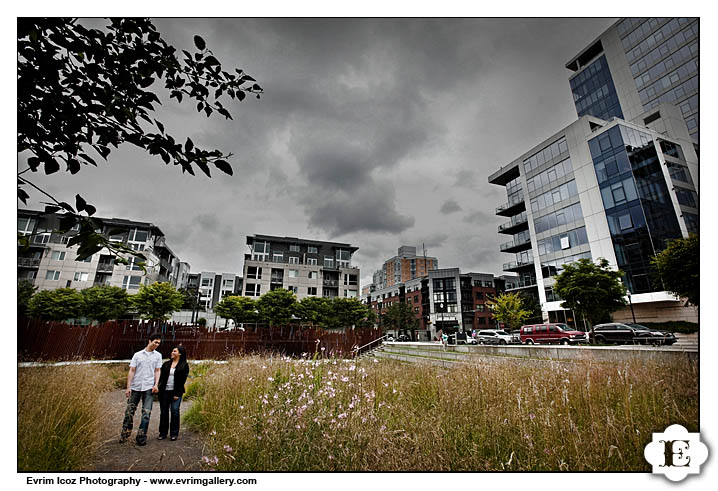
(58, 416)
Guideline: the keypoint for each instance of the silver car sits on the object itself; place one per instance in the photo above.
(493, 336)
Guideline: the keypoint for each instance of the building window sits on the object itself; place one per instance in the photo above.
(137, 235)
(328, 262)
(25, 226)
(131, 282)
(80, 276)
(52, 275)
(228, 283)
(278, 257)
(313, 275)
(312, 261)
(293, 260)
(479, 295)
(254, 272)
(293, 247)
(343, 258)
(311, 249)
(252, 290)
(350, 293)
(293, 289)
(58, 255)
(311, 290)
(293, 273)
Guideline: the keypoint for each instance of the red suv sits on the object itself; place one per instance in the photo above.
(551, 334)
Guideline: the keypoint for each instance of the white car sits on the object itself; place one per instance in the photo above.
(493, 336)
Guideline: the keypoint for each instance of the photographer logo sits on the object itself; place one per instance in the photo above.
(676, 453)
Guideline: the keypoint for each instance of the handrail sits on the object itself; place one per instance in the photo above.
(356, 350)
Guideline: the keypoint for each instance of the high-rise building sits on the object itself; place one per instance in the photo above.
(309, 268)
(403, 267)
(637, 64)
(50, 263)
(618, 183)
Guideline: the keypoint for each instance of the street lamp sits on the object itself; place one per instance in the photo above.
(633, 314)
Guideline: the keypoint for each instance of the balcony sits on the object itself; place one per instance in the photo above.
(518, 223)
(28, 262)
(276, 279)
(514, 206)
(514, 265)
(516, 245)
(332, 283)
(105, 267)
(517, 285)
(101, 282)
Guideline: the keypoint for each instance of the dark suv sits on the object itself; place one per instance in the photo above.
(619, 333)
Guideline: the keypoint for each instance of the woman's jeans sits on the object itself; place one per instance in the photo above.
(132, 402)
(170, 413)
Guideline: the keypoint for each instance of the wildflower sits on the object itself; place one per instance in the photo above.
(299, 427)
(393, 391)
(345, 379)
(213, 433)
(342, 415)
(228, 449)
(532, 416)
(352, 368)
(270, 379)
(323, 348)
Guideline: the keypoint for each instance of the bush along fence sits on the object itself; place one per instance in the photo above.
(119, 340)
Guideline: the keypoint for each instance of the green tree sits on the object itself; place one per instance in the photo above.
(82, 91)
(277, 306)
(239, 309)
(316, 310)
(25, 291)
(509, 309)
(105, 302)
(591, 290)
(56, 305)
(157, 301)
(678, 267)
(533, 306)
(190, 300)
(347, 312)
(399, 317)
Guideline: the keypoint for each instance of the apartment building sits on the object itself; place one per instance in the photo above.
(446, 299)
(309, 268)
(403, 267)
(50, 263)
(211, 287)
(619, 182)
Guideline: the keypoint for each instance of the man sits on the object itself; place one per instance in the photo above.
(141, 385)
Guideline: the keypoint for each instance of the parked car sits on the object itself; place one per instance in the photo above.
(551, 334)
(619, 333)
(390, 338)
(515, 336)
(464, 338)
(403, 337)
(493, 336)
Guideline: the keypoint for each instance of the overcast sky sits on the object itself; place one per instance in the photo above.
(378, 133)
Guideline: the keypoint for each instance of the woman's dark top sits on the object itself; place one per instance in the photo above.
(180, 377)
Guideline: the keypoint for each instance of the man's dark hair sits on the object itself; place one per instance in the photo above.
(155, 335)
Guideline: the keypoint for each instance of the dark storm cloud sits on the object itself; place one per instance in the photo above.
(368, 208)
(449, 206)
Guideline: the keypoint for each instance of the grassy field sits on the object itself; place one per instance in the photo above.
(278, 414)
(58, 416)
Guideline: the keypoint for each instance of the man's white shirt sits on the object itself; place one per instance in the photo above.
(145, 363)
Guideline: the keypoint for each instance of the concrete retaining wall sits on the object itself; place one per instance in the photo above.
(595, 353)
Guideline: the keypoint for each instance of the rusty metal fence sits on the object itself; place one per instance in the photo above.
(48, 340)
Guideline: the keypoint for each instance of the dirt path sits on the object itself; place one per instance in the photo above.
(184, 454)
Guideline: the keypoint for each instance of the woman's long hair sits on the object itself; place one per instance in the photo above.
(182, 363)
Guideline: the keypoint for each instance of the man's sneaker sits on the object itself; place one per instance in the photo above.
(173, 438)
(141, 439)
(161, 437)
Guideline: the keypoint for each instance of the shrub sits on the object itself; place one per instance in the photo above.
(202, 321)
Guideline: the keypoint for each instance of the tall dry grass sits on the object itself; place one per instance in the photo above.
(321, 415)
(58, 416)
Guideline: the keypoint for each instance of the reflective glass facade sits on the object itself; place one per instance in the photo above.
(663, 58)
(640, 214)
(594, 93)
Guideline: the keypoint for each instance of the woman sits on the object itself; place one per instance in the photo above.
(173, 376)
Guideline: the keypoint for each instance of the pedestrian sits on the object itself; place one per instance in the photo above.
(173, 376)
(142, 383)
